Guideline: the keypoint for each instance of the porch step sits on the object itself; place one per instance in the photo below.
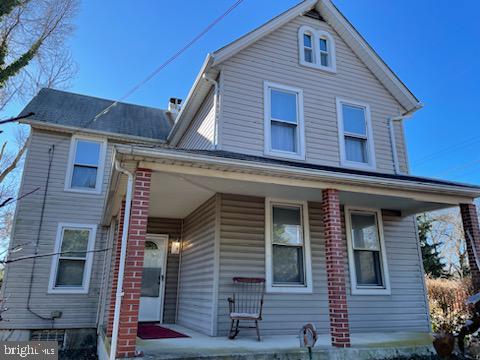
(378, 353)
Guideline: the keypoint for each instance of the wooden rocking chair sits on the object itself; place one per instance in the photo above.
(246, 303)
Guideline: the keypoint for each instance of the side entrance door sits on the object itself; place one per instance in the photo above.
(153, 278)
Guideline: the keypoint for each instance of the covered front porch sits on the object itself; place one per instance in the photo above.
(215, 215)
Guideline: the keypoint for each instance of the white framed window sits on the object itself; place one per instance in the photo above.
(317, 49)
(366, 252)
(287, 247)
(284, 124)
(355, 135)
(86, 164)
(72, 265)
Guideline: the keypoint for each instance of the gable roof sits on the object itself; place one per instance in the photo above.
(76, 111)
(327, 10)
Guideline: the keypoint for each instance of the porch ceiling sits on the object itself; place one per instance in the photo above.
(177, 195)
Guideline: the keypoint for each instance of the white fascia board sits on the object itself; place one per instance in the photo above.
(246, 40)
(187, 111)
(309, 174)
(367, 54)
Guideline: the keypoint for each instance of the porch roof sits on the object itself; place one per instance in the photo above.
(184, 176)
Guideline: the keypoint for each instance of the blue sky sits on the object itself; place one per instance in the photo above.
(432, 45)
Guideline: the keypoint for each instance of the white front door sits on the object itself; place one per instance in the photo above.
(153, 278)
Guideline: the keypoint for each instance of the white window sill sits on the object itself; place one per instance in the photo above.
(358, 166)
(83, 191)
(284, 155)
(288, 290)
(370, 291)
(328, 69)
(68, 291)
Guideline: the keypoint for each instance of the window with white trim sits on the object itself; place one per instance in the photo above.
(317, 49)
(72, 264)
(355, 134)
(288, 263)
(366, 250)
(85, 169)
(284, 128)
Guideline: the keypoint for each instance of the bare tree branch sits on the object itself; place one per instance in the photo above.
(14, 163)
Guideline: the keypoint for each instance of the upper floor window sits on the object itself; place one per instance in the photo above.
(284, 128)
(317, 49)
(72, 264)
(86, 162)
(355, 134)
(288, 264)
(366, 251)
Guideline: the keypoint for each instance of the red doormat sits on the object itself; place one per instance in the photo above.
(149, 331)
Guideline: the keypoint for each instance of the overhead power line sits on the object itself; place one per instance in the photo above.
(169, 60)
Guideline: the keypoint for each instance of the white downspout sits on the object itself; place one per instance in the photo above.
(215, 106)
(123, 254)
(406, 115)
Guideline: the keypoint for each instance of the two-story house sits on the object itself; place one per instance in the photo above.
(286, 162)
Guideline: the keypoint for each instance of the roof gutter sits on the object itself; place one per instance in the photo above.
(310, 174)
(123, 255)
(406, 115)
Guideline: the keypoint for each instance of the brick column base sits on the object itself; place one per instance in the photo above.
(472, 233)
(335, 258)
(132, 281)
(116, 263)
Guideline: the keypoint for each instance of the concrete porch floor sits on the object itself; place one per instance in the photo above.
(246, 347)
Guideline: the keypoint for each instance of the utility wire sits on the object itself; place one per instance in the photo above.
(426, 159)
(167, 62)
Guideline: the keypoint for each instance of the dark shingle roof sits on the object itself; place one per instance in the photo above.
(75, 110)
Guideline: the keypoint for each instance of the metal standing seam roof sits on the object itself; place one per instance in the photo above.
(75, 110)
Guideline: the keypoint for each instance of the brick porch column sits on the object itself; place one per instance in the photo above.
(132, 281)
(116, 263)
(335, 258)
(470, 226)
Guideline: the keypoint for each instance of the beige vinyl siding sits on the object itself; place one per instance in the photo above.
(242, 253)
(173, 228)
(78, 310)
(275, 58)
(405, 309)
(196, 278)
(201, 132)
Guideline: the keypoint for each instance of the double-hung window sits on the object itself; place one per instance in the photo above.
(288, 263)
(284, 127)
(316, 49)
(72, 264)
(355, 134)
(308, 49)
(86, 162)
(366, 250)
